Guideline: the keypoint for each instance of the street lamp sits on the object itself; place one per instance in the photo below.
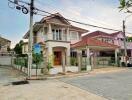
(124, 33)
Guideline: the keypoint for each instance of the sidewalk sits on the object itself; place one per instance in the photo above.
(93, 72)
(46, 90)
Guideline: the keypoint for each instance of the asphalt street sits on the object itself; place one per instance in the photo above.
(113, 86)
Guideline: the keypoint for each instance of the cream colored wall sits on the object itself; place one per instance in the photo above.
(67, 33)
(4, 48)
(51, 44)
(77, 35)
(25, 49)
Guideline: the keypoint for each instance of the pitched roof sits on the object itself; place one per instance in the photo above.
(37, 26)
(92, 42)
(96, 33)
(116, 33)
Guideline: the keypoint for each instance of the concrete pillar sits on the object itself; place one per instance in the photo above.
(79, 55)
(63, 61)
(68, 56)
(50, 35)
(68, 34)
(116, 57)
(88, 60)
(50, 56)
(131, 52)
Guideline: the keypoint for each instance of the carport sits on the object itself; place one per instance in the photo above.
(92, 48)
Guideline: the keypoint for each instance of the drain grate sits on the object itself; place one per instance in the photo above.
(20, 82)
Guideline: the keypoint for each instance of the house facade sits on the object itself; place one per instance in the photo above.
(60, 41)
(55, 34)
(116, 38)
(4, 45)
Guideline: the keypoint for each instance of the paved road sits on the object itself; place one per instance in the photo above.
(113, 86)
(8, 74)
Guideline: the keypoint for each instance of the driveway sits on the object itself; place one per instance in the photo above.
(112, 86)
(8, 74)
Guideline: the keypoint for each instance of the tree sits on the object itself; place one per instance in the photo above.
(126, 4)
(37, 59)
(18, 48)
(129, 39)
(8, 49)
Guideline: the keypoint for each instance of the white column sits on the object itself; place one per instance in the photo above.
(79, 55)
(116, 58)
(50, 55)
(62, 34)
(63, 61)
(88, 60)
(68, 56)
(68, 34)
(50, 35)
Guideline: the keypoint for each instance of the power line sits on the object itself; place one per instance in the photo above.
(78, 21)
(91, 19)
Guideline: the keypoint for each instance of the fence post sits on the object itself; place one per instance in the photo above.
(79, 60)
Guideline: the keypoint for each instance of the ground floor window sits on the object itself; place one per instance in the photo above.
(73, 54)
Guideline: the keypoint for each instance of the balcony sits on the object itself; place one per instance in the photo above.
(59, 35)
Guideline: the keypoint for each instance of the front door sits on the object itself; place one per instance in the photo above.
(57, 58)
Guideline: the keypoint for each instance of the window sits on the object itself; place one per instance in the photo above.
(74, 35)
(73, 54)
(57, 34)
(84, 53)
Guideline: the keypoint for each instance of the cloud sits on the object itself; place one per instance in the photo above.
(97, 12)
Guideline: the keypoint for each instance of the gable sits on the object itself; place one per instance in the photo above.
(120, 35)
(58, 20)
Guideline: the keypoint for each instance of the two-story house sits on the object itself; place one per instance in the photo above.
(4, 45)
(119, 40)
(56, 34)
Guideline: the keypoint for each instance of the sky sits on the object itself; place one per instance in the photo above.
(14, 24)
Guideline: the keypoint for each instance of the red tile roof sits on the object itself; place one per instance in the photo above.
(96, 33)
(93, 42)
(116, 33)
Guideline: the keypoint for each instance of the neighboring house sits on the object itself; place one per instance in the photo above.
(4, 45)
(25, 48)
(98, 46)
(116, 38)
(119, 40)
(56, 35)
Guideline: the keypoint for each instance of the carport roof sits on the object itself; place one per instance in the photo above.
(90, 42)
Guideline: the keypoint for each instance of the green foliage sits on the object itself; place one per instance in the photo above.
(21, 61)
(37, 58)
(18, 48)
(73, 61)
(50, 60)
(49, 66)
(129, 39)
(125, 4)
(8, 49)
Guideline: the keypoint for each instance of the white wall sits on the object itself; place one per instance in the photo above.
(5, 60)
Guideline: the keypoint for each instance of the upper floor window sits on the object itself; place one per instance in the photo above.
(74, 35)
(57, 34)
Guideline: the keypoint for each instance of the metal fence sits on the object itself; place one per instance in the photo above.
(21, 61)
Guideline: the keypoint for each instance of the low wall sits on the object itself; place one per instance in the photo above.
(25, 70)
(56, 70)
(6, 60)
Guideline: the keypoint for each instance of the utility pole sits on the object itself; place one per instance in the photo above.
(125, 47)
(30, 43)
